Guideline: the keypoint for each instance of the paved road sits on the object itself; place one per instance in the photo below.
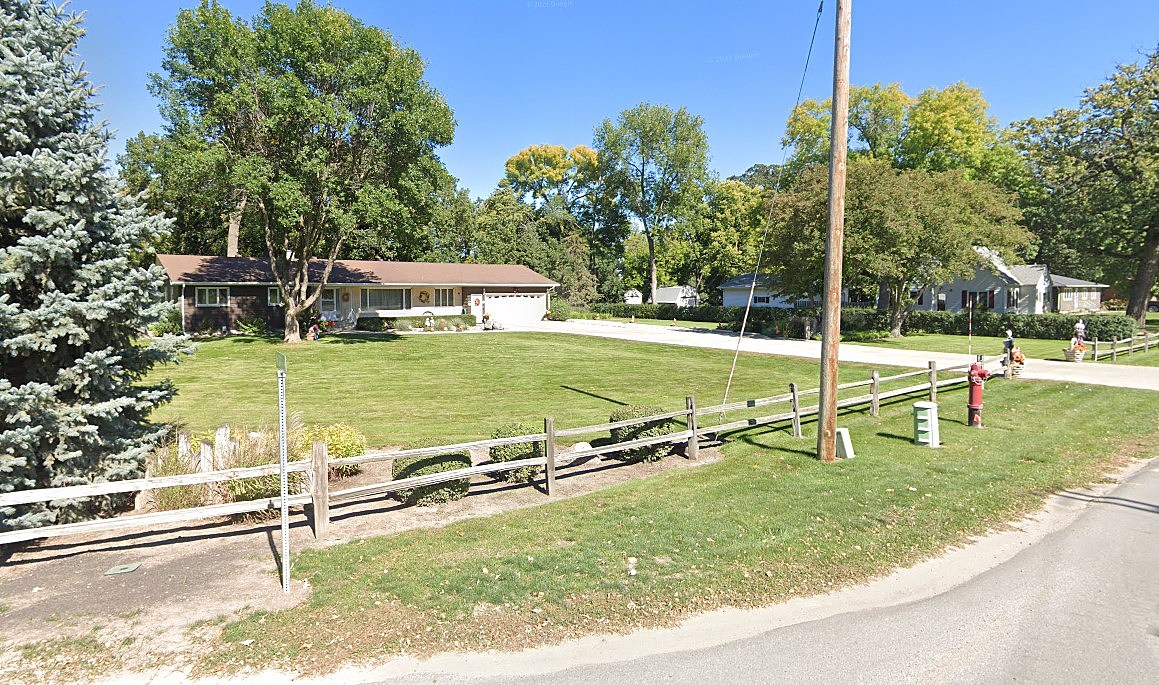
(1079, 605)
(1141, 377)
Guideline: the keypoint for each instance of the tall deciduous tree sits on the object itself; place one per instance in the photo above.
(904, 228)
(324, 127)
(656, 159)
(1098, 166)
(73, 407)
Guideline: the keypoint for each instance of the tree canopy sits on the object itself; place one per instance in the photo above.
(319, 125)
(1097, 166)
(74, 402)
(656, 160)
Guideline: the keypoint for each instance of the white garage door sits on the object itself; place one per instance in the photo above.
(515, 309)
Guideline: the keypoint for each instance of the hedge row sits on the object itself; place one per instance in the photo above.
(799, 323)
(415, 323)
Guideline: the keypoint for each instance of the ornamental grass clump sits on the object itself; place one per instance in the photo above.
(648, 429)
(439, 493)
(514, 452)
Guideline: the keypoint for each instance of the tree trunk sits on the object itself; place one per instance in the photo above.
(293, 334)
(1145, 277)
(883, 299)
(233, 228)
(652, 266)
(897, 310)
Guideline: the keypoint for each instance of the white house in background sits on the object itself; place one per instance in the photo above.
(633, 296)
(735, 293)
(679, 295)
(1018, 289)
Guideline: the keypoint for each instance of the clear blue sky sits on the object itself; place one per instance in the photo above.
(522, 72)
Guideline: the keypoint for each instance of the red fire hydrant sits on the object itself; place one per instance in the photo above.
(977, 377)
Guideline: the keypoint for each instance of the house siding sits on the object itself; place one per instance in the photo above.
(244, 301)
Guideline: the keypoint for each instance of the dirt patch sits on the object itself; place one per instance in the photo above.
(192, 578)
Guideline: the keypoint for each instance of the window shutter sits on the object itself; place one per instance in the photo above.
(990, 300)
(964, 303)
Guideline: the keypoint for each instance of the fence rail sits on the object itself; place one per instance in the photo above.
(319, 497)
(1140, 341)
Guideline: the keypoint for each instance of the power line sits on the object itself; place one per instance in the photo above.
(769, 213)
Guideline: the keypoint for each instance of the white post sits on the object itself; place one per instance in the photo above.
(285, 481)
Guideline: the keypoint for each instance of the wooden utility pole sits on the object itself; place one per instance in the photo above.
(831, 312)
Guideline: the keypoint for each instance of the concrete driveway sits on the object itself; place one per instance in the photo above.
(1140, 377)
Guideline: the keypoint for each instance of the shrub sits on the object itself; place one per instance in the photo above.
(560, 310)
(259, 449)
(638, 431)
(863, 336)
(432, 494)
(371, 324)
(170, 324)
(253, 325)
(522, 450)
(342, 440)
(414, 323)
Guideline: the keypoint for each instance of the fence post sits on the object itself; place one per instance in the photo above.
(221, 447)
(874, 397)
(933, 381)
(692, 451)
(184, 450)
(1114, 349)
(795, 404)
(1130, 345)
(1095, 351)
(320, 489)
(205, 465)
(549, 452)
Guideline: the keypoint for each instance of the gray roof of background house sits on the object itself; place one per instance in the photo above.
(1028, 274)
(746, 281)
(1065, 282)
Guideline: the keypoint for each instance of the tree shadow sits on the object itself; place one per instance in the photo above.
(592, 394)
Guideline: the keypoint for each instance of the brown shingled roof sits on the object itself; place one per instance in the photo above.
(205, 269)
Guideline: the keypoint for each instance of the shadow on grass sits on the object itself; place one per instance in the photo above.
(592, 394)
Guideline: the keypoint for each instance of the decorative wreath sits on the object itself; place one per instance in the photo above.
(424, 296)
(476, 302)
(345, 297)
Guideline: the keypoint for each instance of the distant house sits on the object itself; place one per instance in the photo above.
(1017, 289)
(735, 293)
(633, 296)
(215, 292)
(679, 295)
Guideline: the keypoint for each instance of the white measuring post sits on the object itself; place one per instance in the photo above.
(285, 481)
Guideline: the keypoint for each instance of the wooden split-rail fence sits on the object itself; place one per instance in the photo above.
(319, 498)
(1139, 342)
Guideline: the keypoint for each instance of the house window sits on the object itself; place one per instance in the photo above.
(1066, 294)
(1011, 298)
(328, 302)
(760, 299)
(444, 297)
(918, 296)
(385, 298)
(983, 299)
(274, 297)
(212, 297)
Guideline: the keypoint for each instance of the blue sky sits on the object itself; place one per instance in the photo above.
(522, 72)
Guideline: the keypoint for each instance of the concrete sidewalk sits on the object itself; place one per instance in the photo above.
(1140, 377)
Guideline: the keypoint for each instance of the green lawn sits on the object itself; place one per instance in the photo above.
(766, 523)
(666, 322)
(416, 390)
(1033, 348)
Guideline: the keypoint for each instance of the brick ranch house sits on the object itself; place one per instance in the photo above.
(215, 292)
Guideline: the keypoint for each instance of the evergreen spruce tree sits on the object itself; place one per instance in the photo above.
(73, 302)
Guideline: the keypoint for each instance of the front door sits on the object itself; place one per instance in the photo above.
(476, 303)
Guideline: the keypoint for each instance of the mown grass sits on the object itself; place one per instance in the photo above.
(1033, 348)
(766, 523)
(436, 389)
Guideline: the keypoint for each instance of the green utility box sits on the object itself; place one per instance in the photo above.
(926, 424)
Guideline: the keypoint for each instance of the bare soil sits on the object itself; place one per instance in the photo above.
(59, 605)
